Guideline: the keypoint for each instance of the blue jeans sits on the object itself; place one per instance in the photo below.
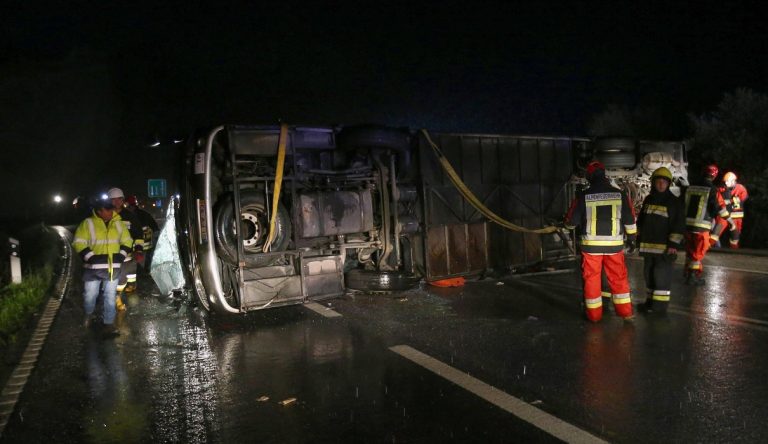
(91, 293)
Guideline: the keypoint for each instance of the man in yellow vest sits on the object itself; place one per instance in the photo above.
(103, 242)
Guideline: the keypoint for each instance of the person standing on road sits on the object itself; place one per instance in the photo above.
(148, 227)
(103, 242)
(127, 281)
(702, 203)
(660, 227)
(602, 215)
(733, 195)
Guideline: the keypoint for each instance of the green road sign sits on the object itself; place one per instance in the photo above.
(157, 188)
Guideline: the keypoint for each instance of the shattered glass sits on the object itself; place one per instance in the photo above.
(166, 269)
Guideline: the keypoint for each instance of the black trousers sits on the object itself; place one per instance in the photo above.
(657, 269)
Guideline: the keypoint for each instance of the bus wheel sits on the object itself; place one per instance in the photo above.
(369, 280)
(254, 229)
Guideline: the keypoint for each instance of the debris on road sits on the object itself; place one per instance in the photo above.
(288, 401)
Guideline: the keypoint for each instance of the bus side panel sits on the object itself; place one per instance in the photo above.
(520, 178)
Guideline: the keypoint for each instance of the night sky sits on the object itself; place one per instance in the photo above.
(84, 88)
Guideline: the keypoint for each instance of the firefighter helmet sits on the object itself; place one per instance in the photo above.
(730, 179)
(711, 170)
(662, 172)
(132, 201)
(594, 166)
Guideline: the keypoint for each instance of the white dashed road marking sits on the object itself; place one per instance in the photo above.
(534, 416)
(322, 310)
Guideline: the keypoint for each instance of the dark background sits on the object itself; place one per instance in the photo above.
(86, 86)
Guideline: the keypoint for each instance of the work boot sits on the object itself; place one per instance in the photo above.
(130, 287)
(119, 305)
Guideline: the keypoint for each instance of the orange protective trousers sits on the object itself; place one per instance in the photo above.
(616, 272)
(696, 246)
(722, 226)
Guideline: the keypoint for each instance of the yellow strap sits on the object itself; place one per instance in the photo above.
(472, 199)
(278, 184)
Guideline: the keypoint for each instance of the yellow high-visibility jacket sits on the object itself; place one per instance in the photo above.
(102, 246)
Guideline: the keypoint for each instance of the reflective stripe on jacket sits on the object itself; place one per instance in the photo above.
(660, 223)
(602, 215)
(702, 203)
(148, 226)
(102, 246)
(734, 200)
(131, 220)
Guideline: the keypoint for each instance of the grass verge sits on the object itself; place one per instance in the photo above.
(19, 301)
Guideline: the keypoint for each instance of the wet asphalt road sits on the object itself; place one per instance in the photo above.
(175, 375)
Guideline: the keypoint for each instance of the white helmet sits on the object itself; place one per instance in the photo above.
(730, 179)
(115, 193)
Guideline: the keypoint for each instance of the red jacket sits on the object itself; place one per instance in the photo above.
(734, 198)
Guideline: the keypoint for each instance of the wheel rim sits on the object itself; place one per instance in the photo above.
(252, 229)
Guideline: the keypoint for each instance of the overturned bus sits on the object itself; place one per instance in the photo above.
(276, 215)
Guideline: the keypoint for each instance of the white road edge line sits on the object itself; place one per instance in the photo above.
(528, 413)
(322, 310)
(12, 390)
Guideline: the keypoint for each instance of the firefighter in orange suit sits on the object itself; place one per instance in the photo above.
(733, 195)
(602, 214)
(701, 207)
(661, 226)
